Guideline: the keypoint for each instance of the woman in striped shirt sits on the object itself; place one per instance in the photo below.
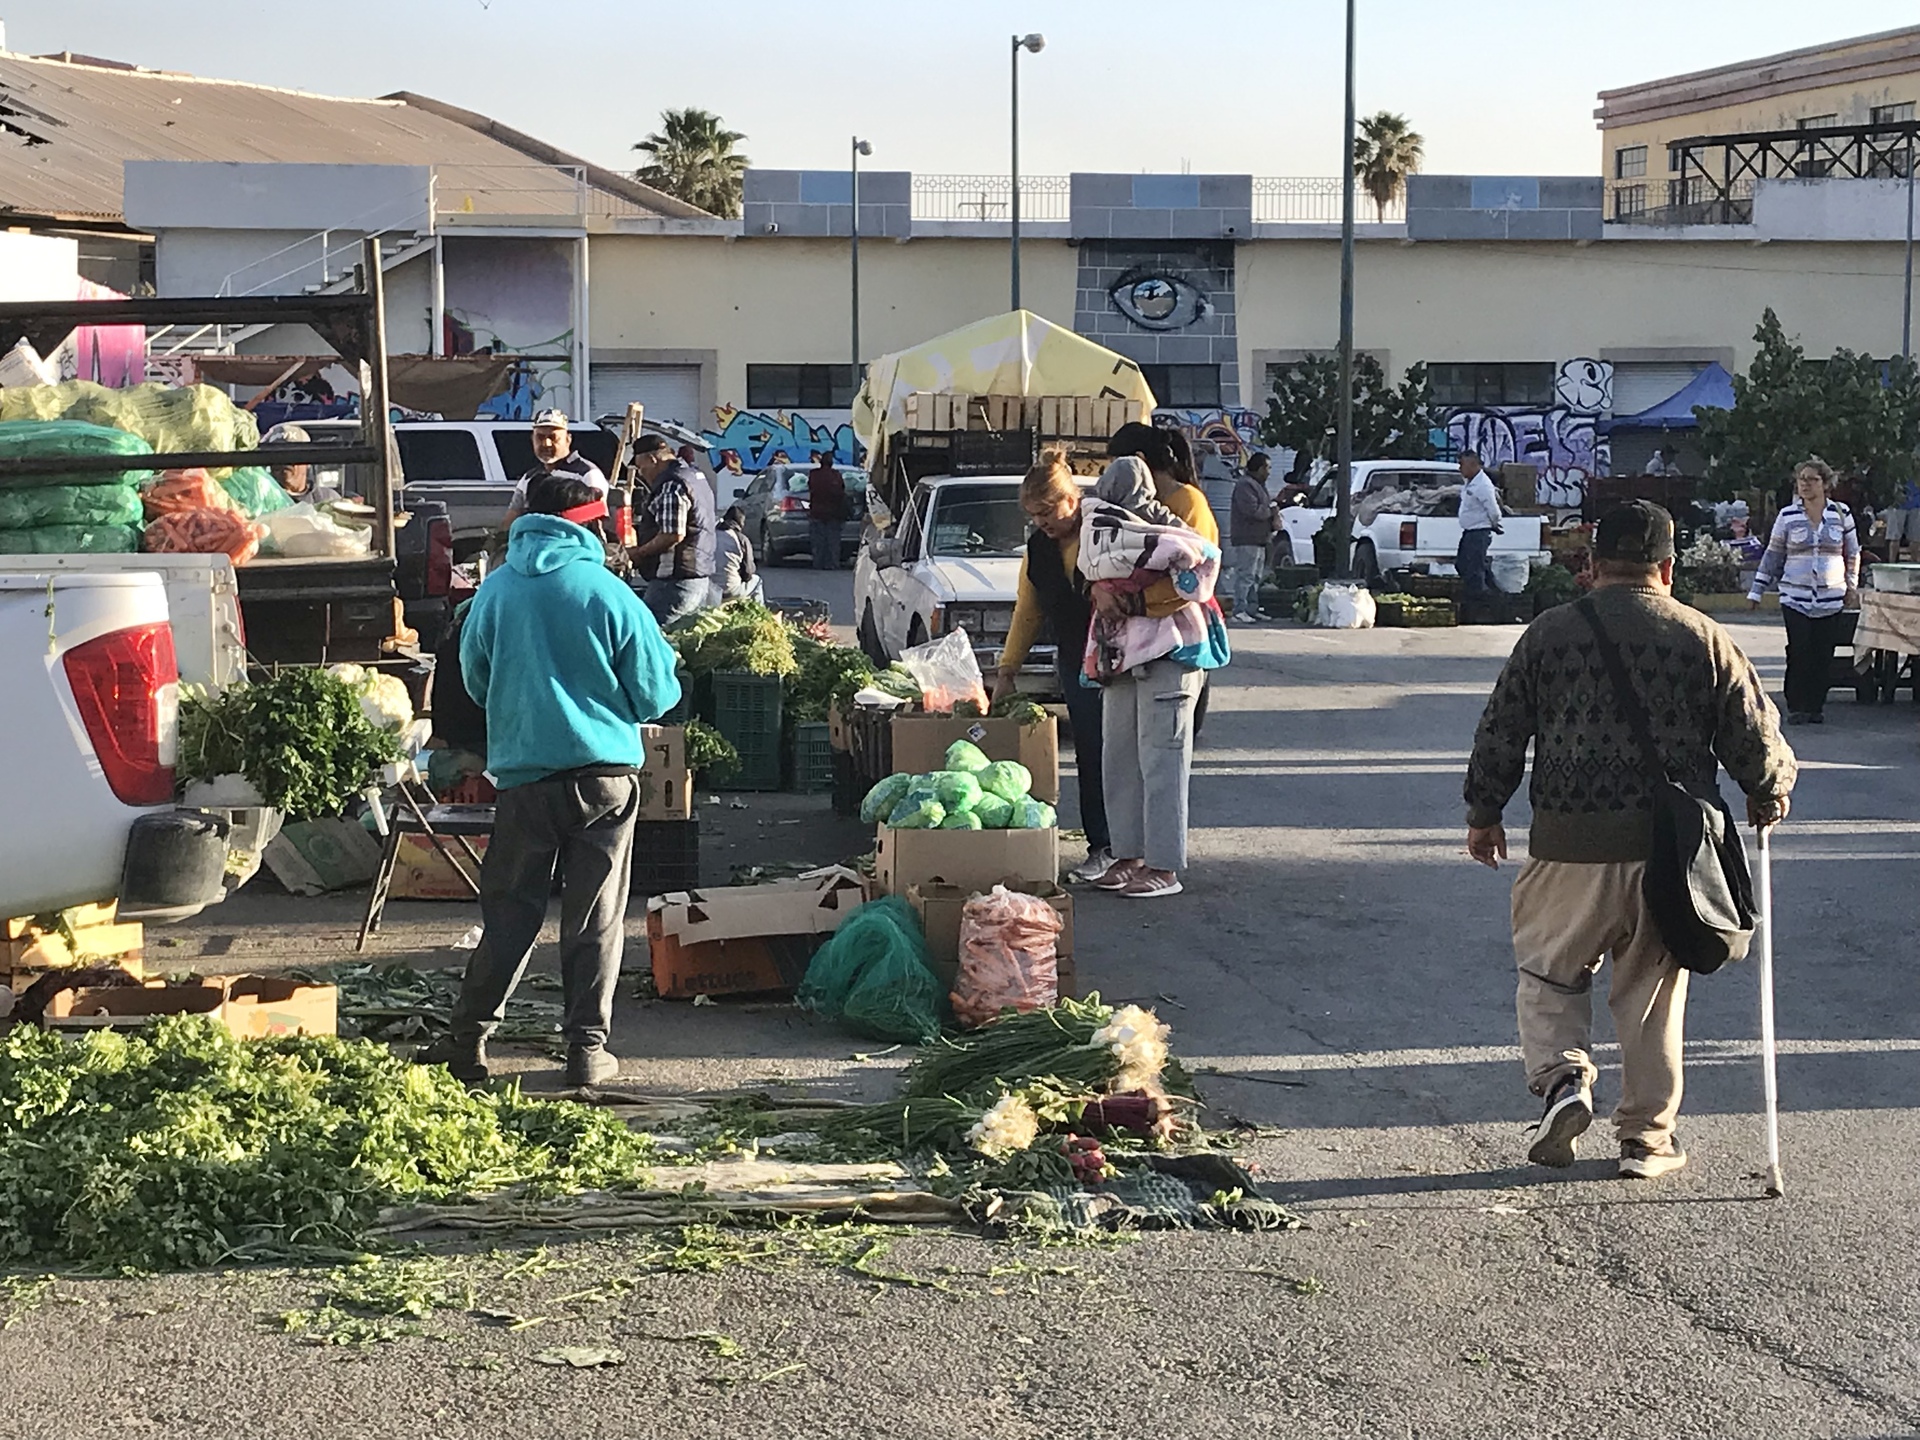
(1814, 557)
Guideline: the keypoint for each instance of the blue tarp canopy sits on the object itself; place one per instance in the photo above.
(1712, 387)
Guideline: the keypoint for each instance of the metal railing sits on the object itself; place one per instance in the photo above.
(1713, 176)
(990, 197)
(1315, 199)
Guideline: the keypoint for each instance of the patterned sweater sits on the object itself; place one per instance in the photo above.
(1590, 796)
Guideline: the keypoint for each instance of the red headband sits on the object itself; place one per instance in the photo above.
(595, 509)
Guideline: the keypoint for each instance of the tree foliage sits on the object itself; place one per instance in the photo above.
(694, 160)
(1389, 423)
(1859, 416)
(1385, 152)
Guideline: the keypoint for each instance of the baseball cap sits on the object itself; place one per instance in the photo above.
(550, 419)
(1638, 532)
(286, 433)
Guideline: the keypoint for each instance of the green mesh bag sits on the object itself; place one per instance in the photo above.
(873, 976)
(255, 491)
(71, 540)
(69, 505)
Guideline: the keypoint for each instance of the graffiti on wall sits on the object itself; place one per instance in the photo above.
(1562, 441)
(756, 434)
(1232, 430)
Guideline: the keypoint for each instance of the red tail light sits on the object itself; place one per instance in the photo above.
(127, 688)
(792, 505)
(439, 557)
(1409, 534)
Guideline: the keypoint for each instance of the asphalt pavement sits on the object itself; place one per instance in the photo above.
(1337, 973)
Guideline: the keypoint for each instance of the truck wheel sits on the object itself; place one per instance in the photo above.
(917, 632)
(1366, 564)
(870, 638)
(767, 552)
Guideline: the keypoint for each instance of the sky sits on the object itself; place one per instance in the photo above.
(1232, 86)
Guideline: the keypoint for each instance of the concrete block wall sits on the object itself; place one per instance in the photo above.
(1160, 207)
(1497, 207)
(1204, 326)
(819, 203)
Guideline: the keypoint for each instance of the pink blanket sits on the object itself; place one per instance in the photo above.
(1121, 553)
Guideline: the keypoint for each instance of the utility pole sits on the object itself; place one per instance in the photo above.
(1343, 467)
(860, 147)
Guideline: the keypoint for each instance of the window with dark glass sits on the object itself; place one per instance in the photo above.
(1629, 162)
(800, 387)
(1473, 383)
(1184, 386)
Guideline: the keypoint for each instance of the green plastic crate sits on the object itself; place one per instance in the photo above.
(812, 769)
(746, 710)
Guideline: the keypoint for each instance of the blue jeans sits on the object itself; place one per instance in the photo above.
(672, 601)
(1476, 570)
(825, 536)
(1084, 704)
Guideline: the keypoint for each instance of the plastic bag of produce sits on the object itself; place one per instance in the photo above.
(955, 789)
(994, 812)
(1008, 779)
(69, 505)
(961, 820)
(874, 977)
(256, 492)
(947, 673)
(71, 540)
(204, 532)
(178, 490)
(917, 810)
(1009, 957)
(965, 755)
(1031, 814)
(300, 531)
(168, 417)
(22, 439)
(883, 797)
(1346, 607)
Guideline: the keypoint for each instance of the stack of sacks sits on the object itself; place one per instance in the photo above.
(71, 513)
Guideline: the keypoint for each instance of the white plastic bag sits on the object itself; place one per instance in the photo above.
(1345, 607)
(947, 672)
(1510, 573)
(301, 531)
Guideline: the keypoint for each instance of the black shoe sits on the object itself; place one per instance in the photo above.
(1568, 1114)
(1817, 717)
(1796, 717)
(466, 1060)
(1640, 1161)
(591, 1065)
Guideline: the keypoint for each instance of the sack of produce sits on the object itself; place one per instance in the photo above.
(204, 532)
(965, 755)
(955, 789)
(1008, 956)
(874, 977)
(1031, 814)
(84, 505)
(994, 812)
(178, 490)
(1008, 779)
(71, 540)
(948, 674)
(883, 797)
(917, 810)
(256, 492)
(302, 532)
(58, 439)
(961, 820)
(169, 417)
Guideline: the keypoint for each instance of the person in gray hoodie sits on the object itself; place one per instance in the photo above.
(1249, 534)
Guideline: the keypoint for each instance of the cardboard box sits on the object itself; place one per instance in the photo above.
(80, 917)
(252, 1006)
(920, 744)
(32, 956)
(315, 856)
(971, 859)
(421, 872)
(939, 908)
(666, 785)
(746, 939)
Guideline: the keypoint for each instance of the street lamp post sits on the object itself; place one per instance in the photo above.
(1906, 308)
(860, 147)
(1343, 444)
(1035, 43)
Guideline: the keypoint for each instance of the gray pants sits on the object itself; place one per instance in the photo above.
(1146, 735)
(1245, 566)
(585, 824)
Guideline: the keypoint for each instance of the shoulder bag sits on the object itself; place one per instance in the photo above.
(1697, 885)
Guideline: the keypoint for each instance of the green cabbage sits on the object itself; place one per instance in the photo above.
(1008, 779)
(918, 811)
(993, 812)
(883, 797)
(956, 789)
(962, 820)
(1032, 815)
(965, 755)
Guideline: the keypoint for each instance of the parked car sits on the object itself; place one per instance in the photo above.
(951, 560)
(471, 467)
(1396, 538)
(777, 514)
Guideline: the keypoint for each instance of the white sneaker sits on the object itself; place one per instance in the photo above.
(1097, 863)
(1239, 619)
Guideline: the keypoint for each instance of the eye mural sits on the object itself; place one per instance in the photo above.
(1154, 299)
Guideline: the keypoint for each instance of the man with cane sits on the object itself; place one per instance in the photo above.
(1580, 895)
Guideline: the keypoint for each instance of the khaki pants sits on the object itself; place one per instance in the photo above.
(1566, 919)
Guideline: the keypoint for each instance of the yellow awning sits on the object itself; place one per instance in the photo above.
(1018, 353)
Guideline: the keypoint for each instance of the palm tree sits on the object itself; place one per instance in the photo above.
(1385, 152)
(694, 160)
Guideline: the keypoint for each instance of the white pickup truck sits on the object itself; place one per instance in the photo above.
(950, 560)
(1396, 537)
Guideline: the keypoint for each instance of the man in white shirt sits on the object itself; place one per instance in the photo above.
(1479, 523)
(553, 454)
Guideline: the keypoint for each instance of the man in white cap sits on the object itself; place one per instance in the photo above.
(553, 454)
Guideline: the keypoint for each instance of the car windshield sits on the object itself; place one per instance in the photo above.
(978, 520)
(516, 448)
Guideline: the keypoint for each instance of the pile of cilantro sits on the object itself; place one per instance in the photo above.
(181, 1146)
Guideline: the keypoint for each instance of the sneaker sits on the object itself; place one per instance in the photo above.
(466, 1060)
(1237, 618)
(1640, 1161)
(591, 1065)
(1117, 876)
(1147, 885)
(1089, 870)
(1568, 1114)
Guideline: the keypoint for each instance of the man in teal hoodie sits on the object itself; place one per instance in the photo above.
(568, 664)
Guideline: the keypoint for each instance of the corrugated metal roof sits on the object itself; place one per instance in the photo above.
(65, 129)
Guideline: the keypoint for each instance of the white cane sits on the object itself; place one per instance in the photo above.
(1768, 1069)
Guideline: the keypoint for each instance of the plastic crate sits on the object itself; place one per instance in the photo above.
(746, 710)
(813, 752)
(666, 857)
(847, 793)
(870, 742)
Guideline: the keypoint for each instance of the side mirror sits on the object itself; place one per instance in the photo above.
(884, 550)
